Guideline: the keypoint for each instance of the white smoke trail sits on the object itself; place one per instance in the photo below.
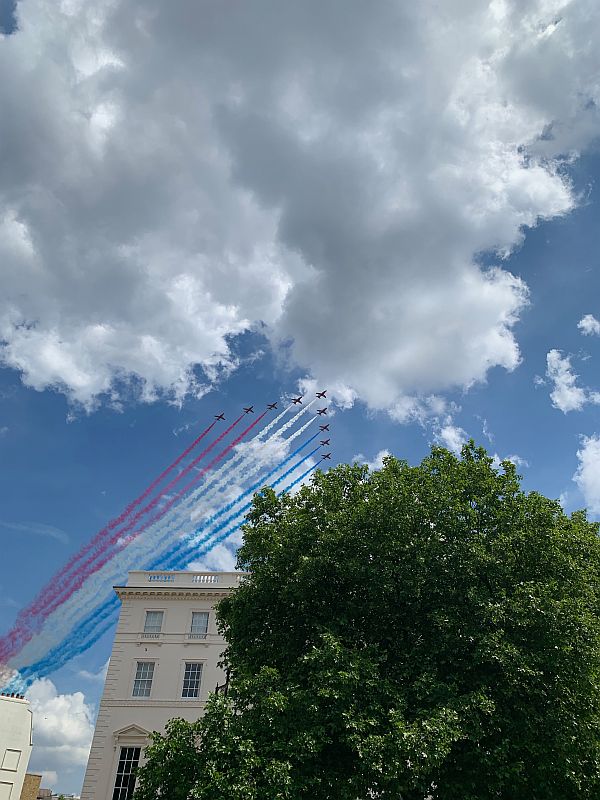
(152, 540)
(174, 516)
(80, 640)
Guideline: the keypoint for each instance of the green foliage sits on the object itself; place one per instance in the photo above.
(411, 632)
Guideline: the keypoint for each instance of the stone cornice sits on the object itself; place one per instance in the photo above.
(150, 703)
(174, 593)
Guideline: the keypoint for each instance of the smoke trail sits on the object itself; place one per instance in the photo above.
(134, 556)
(107, 556)
(27, 624)
(189, 550)
(246, 493)
(48, 591)
(50, 607)
(134, 553)
(20, 635)
(153, 503)
(98, 622)
(183, 560)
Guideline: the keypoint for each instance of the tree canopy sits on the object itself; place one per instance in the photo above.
(411, 632)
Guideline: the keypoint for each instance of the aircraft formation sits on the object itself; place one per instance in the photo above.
(179, 517)
(295, 402)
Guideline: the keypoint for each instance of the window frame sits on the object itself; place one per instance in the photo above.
(182, 683)
(125, 792)
(145, 678)
(192, 634)
(5, 764)
(153, 633)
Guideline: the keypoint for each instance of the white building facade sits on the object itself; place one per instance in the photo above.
(15, 744)
(163, 665)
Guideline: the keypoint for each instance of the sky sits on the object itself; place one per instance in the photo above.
(205, 205)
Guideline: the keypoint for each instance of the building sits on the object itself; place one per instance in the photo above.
(15, 744)
(31, 786)
(163, 665)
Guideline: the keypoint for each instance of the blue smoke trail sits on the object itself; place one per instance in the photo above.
(135, 556)
(180, 547)
(184, 558)
(101, 618)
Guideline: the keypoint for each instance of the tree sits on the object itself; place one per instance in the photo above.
(428, 631)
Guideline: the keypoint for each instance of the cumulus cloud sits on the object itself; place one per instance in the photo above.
(587, 476)
(49, 778)
(63, 726)
(589, 325)
(326, 173)
(566, 395)
(221, 558)
(451, 436)
(516, 460)
(95, 677)
(376, 463)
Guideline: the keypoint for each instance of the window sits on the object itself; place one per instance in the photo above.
(199, 625)
(143, 678)
(5, 790)
(153, 623)
(125, 780)
(11, 760)
(191, 679)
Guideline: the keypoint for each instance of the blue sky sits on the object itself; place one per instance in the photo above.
(189, 224)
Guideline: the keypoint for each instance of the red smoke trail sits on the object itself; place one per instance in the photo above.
(51, 596)
(19, 635)
(50, 589)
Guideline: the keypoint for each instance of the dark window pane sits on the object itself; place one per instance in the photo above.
(129, 759)
(191, 679)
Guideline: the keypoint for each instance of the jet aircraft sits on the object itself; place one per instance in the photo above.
(321, 411)
(324, 427)
(297, 400)
(325, 455)
(249, 410)
(271, 406)
(322, 394)
(220, 416)
(325, 442)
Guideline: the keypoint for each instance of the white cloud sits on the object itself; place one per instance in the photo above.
(4, 430)
(451, 436)
(7, 675)
(587, 476)
(221, 558)
(49, 778)
(516, 460)
(95, 677)
(566, 395)
(63, 726)
(419, 409)
(589, 325)
(327, 174)
(376, 463)
(485, 429)
(340, 394)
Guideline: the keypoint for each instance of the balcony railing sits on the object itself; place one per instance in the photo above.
(176, 579)
(174, 637)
